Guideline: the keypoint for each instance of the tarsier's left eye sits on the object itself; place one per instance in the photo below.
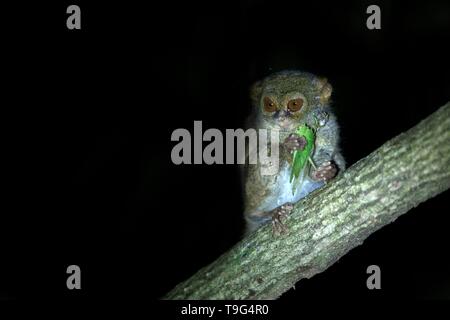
(295, 104)
(269, 105)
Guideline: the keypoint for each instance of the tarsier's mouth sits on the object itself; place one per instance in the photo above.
(283, 129)
(286, 125)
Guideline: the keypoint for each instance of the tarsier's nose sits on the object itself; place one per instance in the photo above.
(281, 115)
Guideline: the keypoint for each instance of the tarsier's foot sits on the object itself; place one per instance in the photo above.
(294, 142)
(278, 215)
(325, 172)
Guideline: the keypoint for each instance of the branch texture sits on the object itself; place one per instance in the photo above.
(402, 173)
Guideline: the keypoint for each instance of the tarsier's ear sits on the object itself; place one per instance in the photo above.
(325, 90)
(255, 92)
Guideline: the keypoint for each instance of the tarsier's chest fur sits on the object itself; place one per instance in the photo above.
(282, 190)
(283, 102)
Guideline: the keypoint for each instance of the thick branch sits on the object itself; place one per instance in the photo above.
(405, 171)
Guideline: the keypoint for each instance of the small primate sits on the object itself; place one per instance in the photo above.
(284, 101)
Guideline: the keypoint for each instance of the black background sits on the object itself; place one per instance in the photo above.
(92, 111)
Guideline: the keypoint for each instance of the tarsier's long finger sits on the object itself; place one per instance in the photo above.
(325, 172)
(281, 213)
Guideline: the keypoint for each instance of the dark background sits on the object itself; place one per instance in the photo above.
(92, 182)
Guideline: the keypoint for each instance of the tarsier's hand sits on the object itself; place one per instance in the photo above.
(278, 215)
(325, 172)
(294, 142)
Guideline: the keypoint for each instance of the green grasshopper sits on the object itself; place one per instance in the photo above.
(302, 158)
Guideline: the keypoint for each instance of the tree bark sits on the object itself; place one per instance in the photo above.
(402, 173)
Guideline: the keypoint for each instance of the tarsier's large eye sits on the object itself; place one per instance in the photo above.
(295, 104)
(269, 105)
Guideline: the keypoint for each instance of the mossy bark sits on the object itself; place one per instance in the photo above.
(405, 171)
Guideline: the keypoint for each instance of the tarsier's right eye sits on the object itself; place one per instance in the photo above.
(295, 104)
(269, 105)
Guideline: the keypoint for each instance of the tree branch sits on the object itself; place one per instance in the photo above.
(405, 171)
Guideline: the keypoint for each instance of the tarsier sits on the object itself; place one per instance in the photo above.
(284, 101)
